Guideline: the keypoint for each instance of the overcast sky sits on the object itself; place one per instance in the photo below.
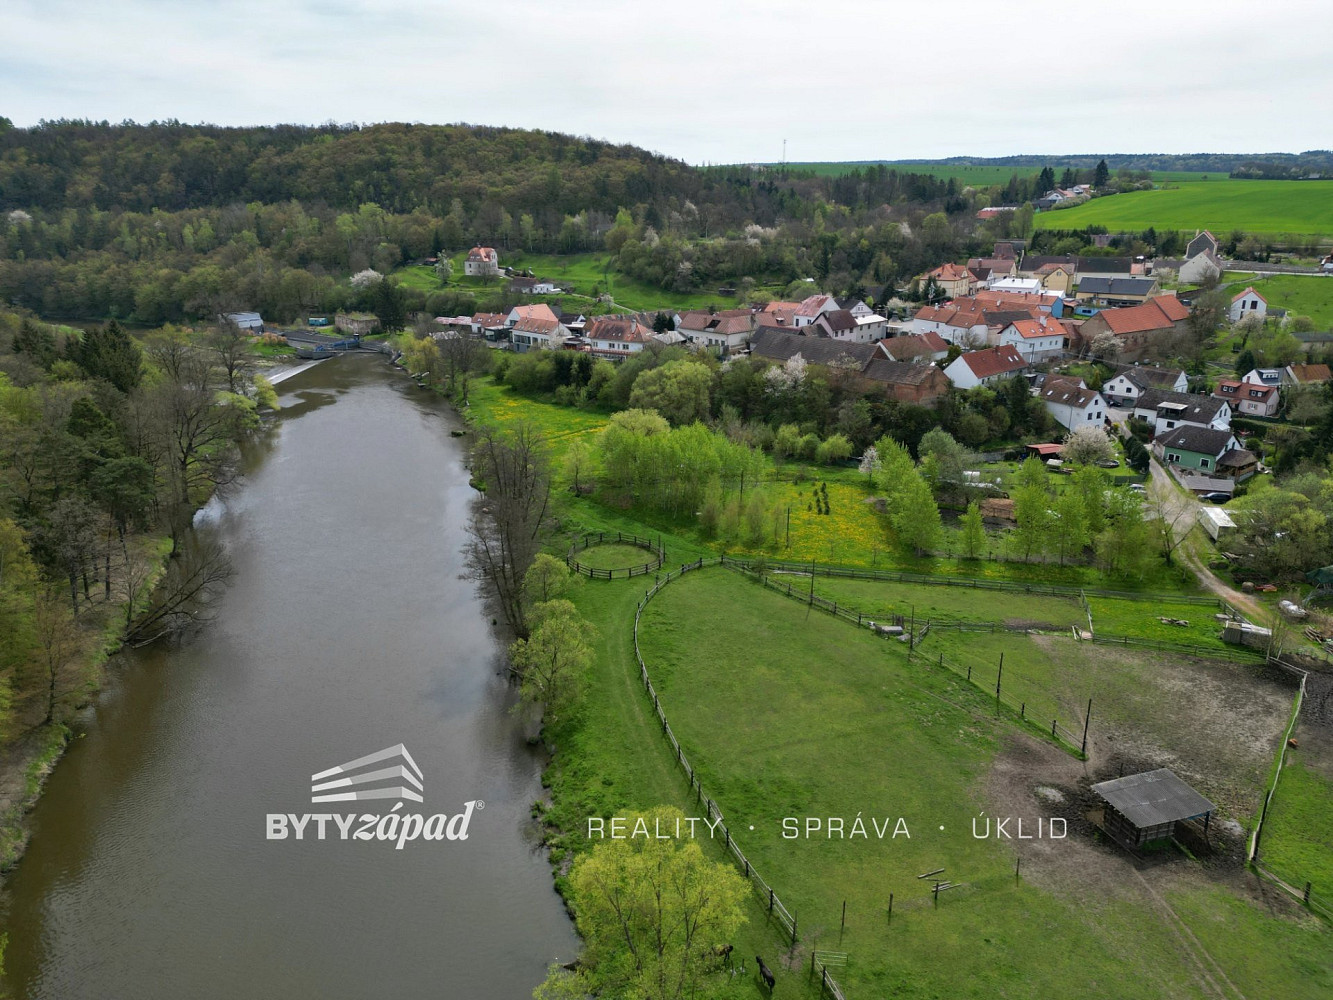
(703, 80)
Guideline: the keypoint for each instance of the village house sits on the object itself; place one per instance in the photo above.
(1138, 328)
(1106, 267)
(482, 262)
(1055, 277)
(855, 306)
(915, 347)
(1306, 374)
(953, 280)
(811, 308)
(778, 314)
(1035, 339)
(1072, 404)
(723, 332)
(985, 367)
(1203, 242)
(536, 332)
(1167, 411)
(1247, 398)
(250, 322)
(358, 324)
(616, 337)
(842, 325)
(994, 267)
(863, 363)
(539, 310)
(1263, 376)
(1199, 448)
(1116, 291)
(1200, 269)
(1247, 303)
(1016, 286)
(492, 326)
(1131, 381)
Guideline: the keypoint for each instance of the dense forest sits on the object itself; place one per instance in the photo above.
(167, 222)
(108, 445)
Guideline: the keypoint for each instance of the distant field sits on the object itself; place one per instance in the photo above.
(1269, 207)
(982, 173)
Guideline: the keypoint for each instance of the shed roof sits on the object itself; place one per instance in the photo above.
(1152, 798)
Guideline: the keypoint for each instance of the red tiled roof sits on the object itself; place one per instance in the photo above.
(1031, 329)
(1171, 307)
(1155, 314)
(948, 272)
(539, 311)
(994, 361)
(1249, 290)
(482, 254)
(537, 324)
(628, 331)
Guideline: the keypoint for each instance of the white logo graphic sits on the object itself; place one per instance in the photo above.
(388, 782)
(387, 774)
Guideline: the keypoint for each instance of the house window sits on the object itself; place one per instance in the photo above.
(1170, 424)
(1203, 463)
(1172, 457)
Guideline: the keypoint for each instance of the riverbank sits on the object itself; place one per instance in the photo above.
(27, 762)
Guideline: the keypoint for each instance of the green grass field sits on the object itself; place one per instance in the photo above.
(951, 605)
(1298, 833)
(1300, 294)
(613, 556)
(1267, 207)
(794, 714)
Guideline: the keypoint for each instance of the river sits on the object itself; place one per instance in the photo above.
(350, 627)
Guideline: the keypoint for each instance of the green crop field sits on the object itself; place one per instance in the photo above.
(789, 714)
(1267, 207)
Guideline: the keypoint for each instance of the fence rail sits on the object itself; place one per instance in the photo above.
(1302, 889)
(604, 538)
(767, 895)
(1049, 589)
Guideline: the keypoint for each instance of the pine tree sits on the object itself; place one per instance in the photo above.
(1101, 176)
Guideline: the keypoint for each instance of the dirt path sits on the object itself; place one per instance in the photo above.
(1182, 511)
(1210, 972)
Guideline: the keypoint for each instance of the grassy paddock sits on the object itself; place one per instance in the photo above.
(1298, 833)
(1267, 207)
(793, 714)
(614, 556)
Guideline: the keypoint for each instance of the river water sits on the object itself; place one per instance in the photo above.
(349, 627)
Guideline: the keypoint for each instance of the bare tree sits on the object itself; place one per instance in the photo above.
(231, 345)
(192, 583)
(512, 467)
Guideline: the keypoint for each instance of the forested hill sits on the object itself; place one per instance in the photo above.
(167, 222)
(172, 166)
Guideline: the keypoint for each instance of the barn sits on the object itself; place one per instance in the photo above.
(1141, 808)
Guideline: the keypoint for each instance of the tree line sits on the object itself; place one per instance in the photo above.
(108, 444)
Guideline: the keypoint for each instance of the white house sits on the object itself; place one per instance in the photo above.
(985, 367)
(1200, 268)
(538, 311)
(617, 336)
(721, 332)
(965, 327)
(1132, 382)
(1072, 404)
(532, 333)
(813, 307)
(1035, 340)
(1018, 286)
(1168, 411)
(482, 261)
(1263, 376)
(856, 307)
(1248, 303)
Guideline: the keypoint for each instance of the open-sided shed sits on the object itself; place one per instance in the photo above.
(1142, 808)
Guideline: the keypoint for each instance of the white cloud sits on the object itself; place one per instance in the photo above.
(707, 81)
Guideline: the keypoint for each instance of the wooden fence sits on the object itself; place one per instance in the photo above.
(620, 538)
(768, 897)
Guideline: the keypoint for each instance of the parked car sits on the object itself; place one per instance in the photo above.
(1215, 497)
(1108, 463)
(1138, 487)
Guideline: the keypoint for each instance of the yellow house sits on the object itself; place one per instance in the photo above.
(1055, 278)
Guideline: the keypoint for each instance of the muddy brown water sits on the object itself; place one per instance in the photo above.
(349, 628)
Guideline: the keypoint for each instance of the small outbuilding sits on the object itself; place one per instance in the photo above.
(1142, 808)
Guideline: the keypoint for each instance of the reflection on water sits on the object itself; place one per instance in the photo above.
(349, 627)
